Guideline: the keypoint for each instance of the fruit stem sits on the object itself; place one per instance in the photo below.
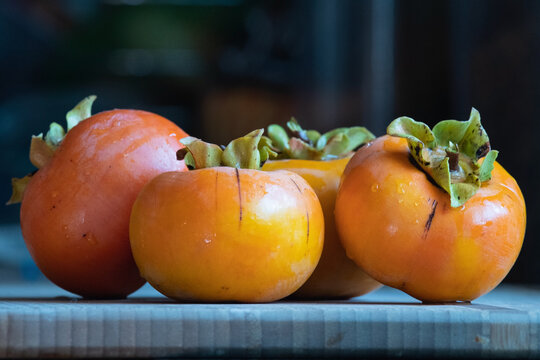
(453, 160)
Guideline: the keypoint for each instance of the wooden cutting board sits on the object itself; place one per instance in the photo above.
(40, 320)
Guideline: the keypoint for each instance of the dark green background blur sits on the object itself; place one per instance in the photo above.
(220, 68)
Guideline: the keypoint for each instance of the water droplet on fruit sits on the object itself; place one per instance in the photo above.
(375, 187)
(392, 229)
(417, 221)
(91, 239)
(401, 189)
(207, 241)
(416, 203)
(172, 134)
(400, 201)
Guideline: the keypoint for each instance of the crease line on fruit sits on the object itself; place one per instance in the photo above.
(430, 218)
(239, 195)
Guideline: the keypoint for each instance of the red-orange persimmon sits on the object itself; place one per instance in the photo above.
(75, 209)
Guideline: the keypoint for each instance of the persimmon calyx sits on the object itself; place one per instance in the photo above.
(42, 148)
(18, 186)
(450, 153)
(311, 145)
(247, 152)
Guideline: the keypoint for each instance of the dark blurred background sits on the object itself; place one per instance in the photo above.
(220, 68)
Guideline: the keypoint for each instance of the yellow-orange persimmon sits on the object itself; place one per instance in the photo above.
(76, 207)
(406, 232)
(336, 276)
(222, 233)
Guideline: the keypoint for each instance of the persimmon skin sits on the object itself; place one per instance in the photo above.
(75, 210)
(336, 276)
(399, 227)
(221, 234)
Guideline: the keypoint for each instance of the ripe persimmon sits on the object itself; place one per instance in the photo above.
(75, 209)
(320, 160)
(226, 231)
(421, 212)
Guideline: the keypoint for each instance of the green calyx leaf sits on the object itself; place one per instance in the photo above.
(311, 145)
(450, 153)
(266, 149)
(207, 155)
(309, 136)
(82, 111)
(42, 148)
(247, 152)
(340, 142)
(55, 135)
(487, 166)
(279, 137)
(17, 189)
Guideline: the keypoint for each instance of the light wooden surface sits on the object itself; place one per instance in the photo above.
(42, 320)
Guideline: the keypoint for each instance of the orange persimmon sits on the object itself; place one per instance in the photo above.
(448, 233)
(226, 231)
(336, 276)
(76, 207)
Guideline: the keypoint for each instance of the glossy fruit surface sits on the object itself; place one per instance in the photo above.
(401, 229)
(75, 210)
(336, 276)
(227, 234)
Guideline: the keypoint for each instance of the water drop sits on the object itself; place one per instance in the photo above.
(375, 187)
(400, 201)
(392, 229)
(401, 189)
(91, 239)
(416, 203)
(417, 221)
(207, 241)
(172, 134)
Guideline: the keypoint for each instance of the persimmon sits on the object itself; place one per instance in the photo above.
(75, 209)
(320, 160)
(226, 231)
(431, 212)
